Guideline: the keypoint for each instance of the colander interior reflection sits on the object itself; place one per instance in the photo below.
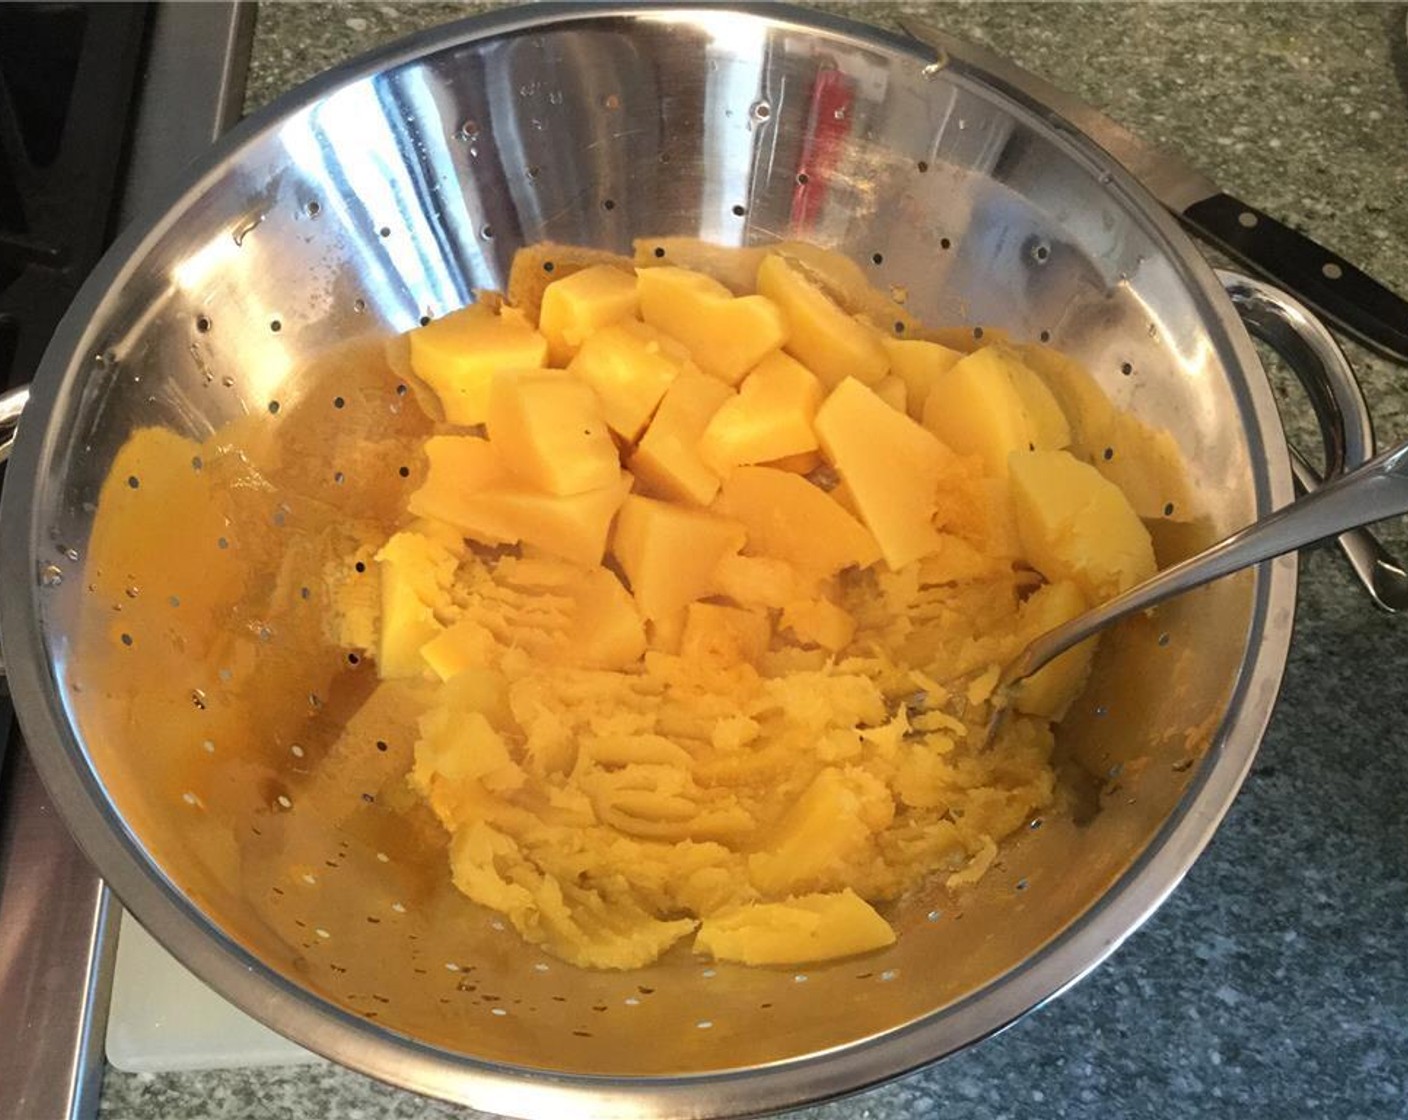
(212, 772)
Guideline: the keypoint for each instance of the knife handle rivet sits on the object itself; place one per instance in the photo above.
(1331, 271)
(1246, 219)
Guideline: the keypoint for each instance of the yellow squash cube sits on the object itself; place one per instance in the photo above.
(843, 280)
(1153, 480)
(976, 410)
(789, 519)
(990, 404)
(607, 630)
(735, 266)
(813, 927)
(540, 264)
(573, 527)
(1046, 422)
(629, 366)
(824, 839)
(669, 552)
(724, 635)
(819, 622)
(919, 365)
(459, 354)
(442, 532)
(726, 335)
(890, 465)
(465, 645)
(577, 305)
(549, 431)
(416, 573)
(459, 467)
(463, 747)
(666, 462)
(456, 465)
(893, 391)
(770, 418)
(406, 625)
(1077, 525)
(759, 581)
(1049, 692)
(665, 633)
(829, 342)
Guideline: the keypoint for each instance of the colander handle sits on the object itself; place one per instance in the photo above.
(12, 403)
(1289, 328)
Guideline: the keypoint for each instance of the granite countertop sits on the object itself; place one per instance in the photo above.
(1275, 980)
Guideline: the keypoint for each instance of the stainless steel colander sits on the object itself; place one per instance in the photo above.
(205, 737)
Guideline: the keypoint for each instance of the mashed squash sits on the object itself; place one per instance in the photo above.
(725, 703)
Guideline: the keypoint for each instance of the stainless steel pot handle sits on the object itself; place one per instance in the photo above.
(12, 403)
(1285, 325)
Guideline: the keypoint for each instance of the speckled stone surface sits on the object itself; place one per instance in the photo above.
(1275, 981)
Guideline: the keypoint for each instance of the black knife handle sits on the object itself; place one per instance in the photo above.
(1355, 302)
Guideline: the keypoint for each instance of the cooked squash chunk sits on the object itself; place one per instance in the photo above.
(726, 335)
(825, 339)
(894, 392)
(669, 552)
(891, 466)
(789, 519)
(465, 645)
(666, 462)
(459, 354)
(759, 581)
(1048, 693)
(539, 265)
(416, 573)
(819, 622)
(630, 366)
(724, 635)
(578, 305)
(1047, 424)
(442, 532)
(459, 745)
(975, 409)
(1147, 463)
(607, 631)
(458, 464)
(573, 527)
(770, 418)
(843, 280)
(919, 365)
(734, 266)
(549, 432)
(826, 835)
(990, 404)
(813, 927)
(1077, 525)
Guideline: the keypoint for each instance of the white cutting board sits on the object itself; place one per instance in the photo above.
(162, 1019)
